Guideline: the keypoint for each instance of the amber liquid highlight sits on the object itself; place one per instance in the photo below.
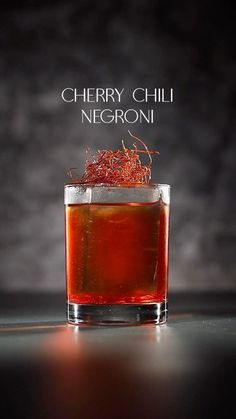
(117, 253)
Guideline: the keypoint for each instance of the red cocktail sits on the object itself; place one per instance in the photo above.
(117, 253)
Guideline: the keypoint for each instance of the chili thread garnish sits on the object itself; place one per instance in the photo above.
(119, 167)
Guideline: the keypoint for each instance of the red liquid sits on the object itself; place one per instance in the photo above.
(117, 253)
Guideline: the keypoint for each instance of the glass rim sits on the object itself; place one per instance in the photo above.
(119, 185)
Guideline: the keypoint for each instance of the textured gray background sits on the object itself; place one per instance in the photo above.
(47, 46)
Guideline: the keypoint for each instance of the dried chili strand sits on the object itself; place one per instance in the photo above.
(120, 166)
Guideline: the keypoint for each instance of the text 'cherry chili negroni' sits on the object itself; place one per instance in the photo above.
(117, 234)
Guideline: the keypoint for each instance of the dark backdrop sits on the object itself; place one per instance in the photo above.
(49, 45)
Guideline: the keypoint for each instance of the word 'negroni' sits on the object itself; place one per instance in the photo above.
(107, 116)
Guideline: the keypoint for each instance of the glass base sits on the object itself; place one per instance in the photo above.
(117, 314)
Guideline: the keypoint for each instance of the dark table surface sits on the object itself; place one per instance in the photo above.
(185, 369)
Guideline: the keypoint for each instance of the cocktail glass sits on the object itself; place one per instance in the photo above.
(117, 253)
